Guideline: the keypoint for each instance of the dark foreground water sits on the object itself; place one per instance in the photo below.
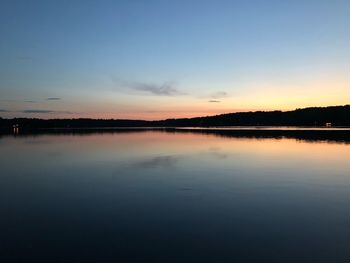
(156, 196)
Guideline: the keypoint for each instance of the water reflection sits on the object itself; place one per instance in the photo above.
(160, 196)
(299, 133)
(166, 162)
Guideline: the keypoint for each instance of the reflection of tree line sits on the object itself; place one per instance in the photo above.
(306, 135)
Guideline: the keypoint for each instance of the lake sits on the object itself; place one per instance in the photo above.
(158, 196)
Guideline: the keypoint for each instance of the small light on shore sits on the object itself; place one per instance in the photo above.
(15, 128)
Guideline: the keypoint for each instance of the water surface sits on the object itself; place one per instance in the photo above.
(153, 196)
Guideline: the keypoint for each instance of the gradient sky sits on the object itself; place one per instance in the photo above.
(146, 59)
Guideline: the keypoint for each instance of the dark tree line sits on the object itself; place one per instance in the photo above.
(316, 116)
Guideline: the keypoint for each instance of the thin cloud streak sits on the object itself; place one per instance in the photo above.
(214, 101)
(219, 95)
(165, 89)
(168, 88)
(44, 111)
(54, 98)
(37, 111)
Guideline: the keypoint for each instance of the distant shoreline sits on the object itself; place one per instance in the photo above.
(314, 117)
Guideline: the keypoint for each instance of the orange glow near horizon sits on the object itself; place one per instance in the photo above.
(329, 92)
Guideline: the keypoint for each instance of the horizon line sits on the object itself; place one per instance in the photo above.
(256, 111)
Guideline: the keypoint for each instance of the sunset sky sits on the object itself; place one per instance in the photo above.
(145, 59)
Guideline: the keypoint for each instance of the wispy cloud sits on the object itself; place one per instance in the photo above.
(37, 111)
(11, 100)
(167, 88)
(30, 111)
(54, 98)
(219, 95)
(215, 97)
(26, 101)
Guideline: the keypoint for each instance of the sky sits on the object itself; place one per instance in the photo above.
(156, 59)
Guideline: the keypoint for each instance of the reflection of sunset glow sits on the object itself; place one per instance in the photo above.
(131, 145)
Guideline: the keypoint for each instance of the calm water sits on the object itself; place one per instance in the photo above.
(173, 197)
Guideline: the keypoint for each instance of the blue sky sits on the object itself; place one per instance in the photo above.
(159, 59)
